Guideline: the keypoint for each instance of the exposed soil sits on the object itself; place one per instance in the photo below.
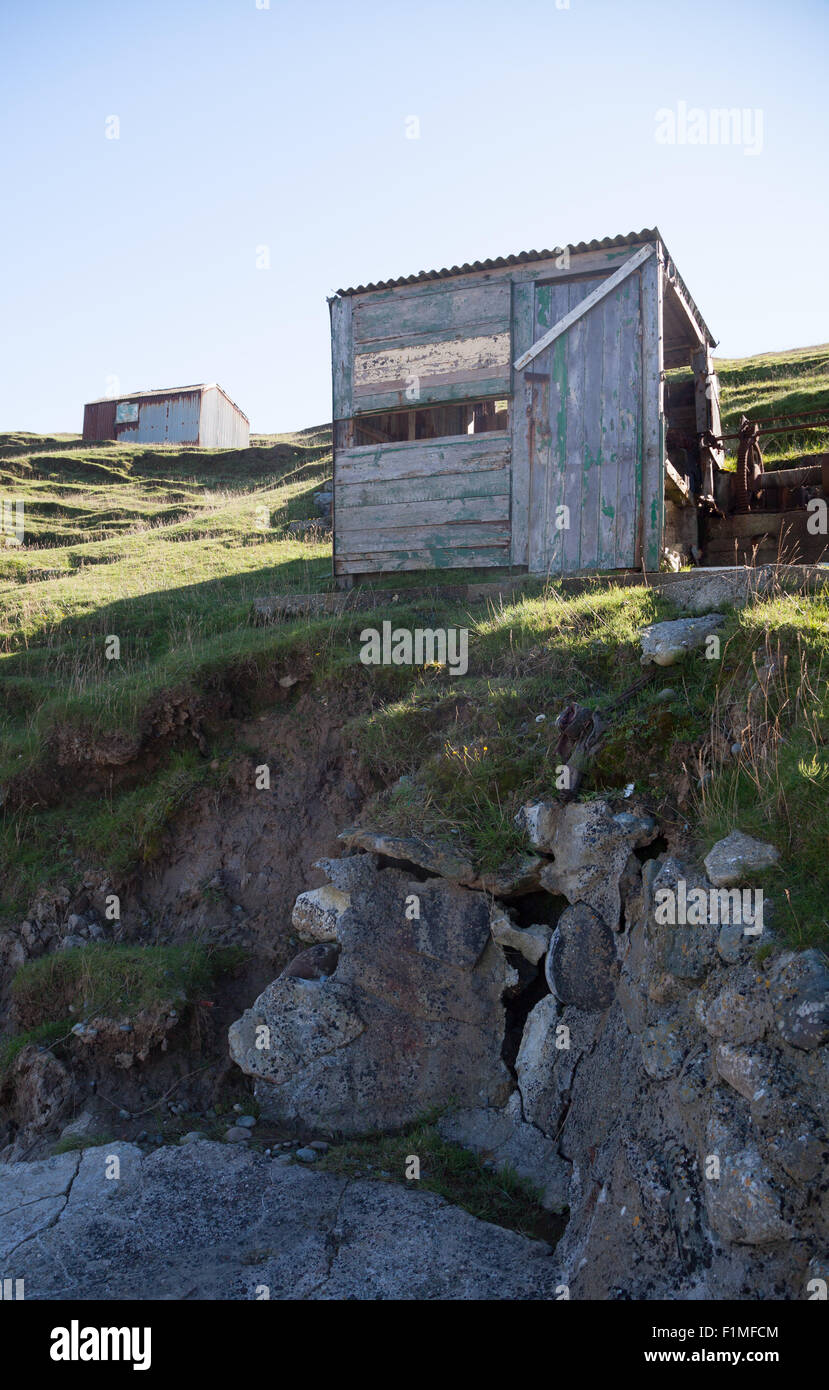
(231, 866)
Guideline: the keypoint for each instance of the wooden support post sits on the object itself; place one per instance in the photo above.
(653, 414)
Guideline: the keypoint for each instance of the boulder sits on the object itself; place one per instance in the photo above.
(745, 1204)
(732, 860)
(317, 913)
(745, 1070)
(684, 950)
(800, 999)
(40, 1089)
(591, 847)
(543, 1065)
(514, 879)
(412, 1016)
(531, 942)
(664, 644)
(663, 1049)
(32, 1196)
(740, 1011)
(581, 965)
(429, 854)
(679, 1070)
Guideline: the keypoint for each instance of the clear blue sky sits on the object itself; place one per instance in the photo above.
(285, 127)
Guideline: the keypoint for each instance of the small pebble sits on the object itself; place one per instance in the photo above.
(238, 1109)
(237, 1134)
(667, 694)
(248, 1121)
(307, 1155)
(192, 1135)
(284, 1158)
(320, 1145)
(124, 1115)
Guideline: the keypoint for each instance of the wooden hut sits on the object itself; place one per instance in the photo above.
(513, 413)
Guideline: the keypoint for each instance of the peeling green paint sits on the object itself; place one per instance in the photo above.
(543, 303)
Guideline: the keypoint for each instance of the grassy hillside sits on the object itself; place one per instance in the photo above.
(163, 549)
(782, 383)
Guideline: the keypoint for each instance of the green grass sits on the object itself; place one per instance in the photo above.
(121, 539)
(114, 981)
(778, 787)
(72, 1142)
(107, 554)
(451, 1172)
(43, 1035)
(781, 383)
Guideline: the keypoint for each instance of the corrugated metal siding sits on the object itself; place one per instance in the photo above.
(223, 426)
(99, 421)
(170, 419)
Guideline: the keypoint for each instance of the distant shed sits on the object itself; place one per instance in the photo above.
(203, 415)
(514, 412)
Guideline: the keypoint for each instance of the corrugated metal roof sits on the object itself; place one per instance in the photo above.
(153, 391)
(501, 262)
(607, 243)
(167, 391)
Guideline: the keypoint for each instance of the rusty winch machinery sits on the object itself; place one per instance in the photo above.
(779, 488)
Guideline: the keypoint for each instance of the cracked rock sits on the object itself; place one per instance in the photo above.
(211, 1221)
(412, 1016)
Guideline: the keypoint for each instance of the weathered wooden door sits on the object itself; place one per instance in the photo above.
(580, 427)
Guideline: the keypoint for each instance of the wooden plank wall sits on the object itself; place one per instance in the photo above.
(422, 505)
(431, 342)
